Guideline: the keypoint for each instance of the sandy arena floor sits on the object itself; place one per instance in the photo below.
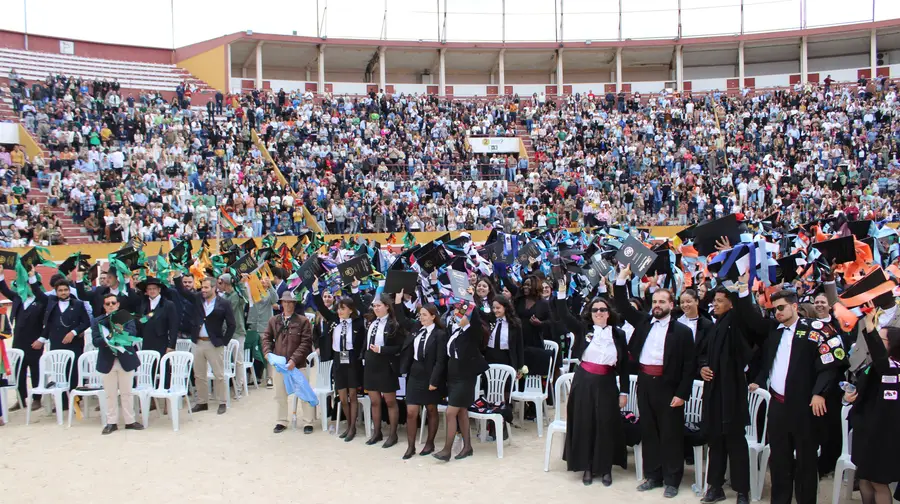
(237, 458)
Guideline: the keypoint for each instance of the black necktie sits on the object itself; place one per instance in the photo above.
(497, 333)
(421, 351)
(344, 335)
(374, 331)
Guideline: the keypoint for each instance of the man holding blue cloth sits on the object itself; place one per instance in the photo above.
(289, 335)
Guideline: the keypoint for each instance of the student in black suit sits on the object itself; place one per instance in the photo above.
(117, 368)
(65, 321)
(28, 317)
(109, 283)
(595, 439)
(344, 342)
(664, 349)
(384, 339)
(160, 331)
(424, 361)
(213, 331)
(722, 357)
(799, 363)
(464, 364)
(504, 343)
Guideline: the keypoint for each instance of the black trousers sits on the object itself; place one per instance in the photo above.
(828, 430)
(731, 446)
(662, 431)
(31, 363)
(787, 435)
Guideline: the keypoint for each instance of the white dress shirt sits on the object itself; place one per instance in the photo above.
(601, 349)
(428, 330)
(154, 302)
(348, 335)
(885, 318)
(504, 335)
(208, 307)
(778, 375)
(63, 305)
(690, 322)
(655, 347)
(376, 328)
(455, 331)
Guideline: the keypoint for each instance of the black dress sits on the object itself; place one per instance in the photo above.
(875, 416)
(347, 375)
(464, 363)
(595, 437)
(382, 368)
(424, 361)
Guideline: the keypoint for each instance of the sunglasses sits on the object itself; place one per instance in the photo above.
(781, 307)
(599, 310)
(111, 303)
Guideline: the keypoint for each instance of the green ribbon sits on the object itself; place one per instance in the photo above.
(269, 241)
(21, 284)
(409, 240)
(43, 253)
(163, 269)
(119, 339)
(120, 268)
(218, 265)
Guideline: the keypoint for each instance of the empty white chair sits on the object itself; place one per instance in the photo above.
(55, 368)
(181, 363)
(568, 362)
(632, 406)
(15, 362)
(248, 366)
(88, 341)
(497, 377)
(184, 345)
(230, 359)
(323, 388)
(693, 413)
(561, 389)
(145, 381)
(90, 384)
(759, 450)
(535, 390)
(844, 466)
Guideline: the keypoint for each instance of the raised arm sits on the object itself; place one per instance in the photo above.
(620, 299)
(6, 291)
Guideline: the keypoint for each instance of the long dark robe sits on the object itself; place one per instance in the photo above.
(727, 353)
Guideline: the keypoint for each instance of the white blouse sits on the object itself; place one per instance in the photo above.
(601, 348)
(376, 330)
(428, 330)
(504, 335)
(348, 337)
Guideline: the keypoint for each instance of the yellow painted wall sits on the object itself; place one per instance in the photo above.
(208, 66)
(31, 146)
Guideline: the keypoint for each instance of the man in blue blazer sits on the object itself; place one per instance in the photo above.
(117, 366)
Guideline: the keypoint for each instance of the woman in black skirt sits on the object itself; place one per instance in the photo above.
(464, 364)
(503, 343)
(424, 361)
(384, 338)
(594, 436)
(876, 414)
(344, 342)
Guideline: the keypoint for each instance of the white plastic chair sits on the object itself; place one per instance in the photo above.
(184, 345)
(693, 412)
(365, 409)
(323, 388)
(759, 450)
(844, 466)
(568, 362)
(535, 391)
(632, 406)
(89, 377)
(562, 388)
(145, 380)
(230, 365)
(16, 356)
(498, 375)
(181, 363)
(248, 366)
(88, 340)
(55, 368)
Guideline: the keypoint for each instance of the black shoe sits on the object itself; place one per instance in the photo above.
(350, 436)
(464, 454)
(344, 434)
(670, 492)
(713, 494)
(200, 407)
(222, 409)
(308, 429)
(374, 439)
(17, 407)
(109, 429)
(35, 405)
(409, 453)
(279, 429)
(427, 451)
(743, 498)
(441, 456)
(587, 478)
(649, 485)
(134, 426)
(606, 479)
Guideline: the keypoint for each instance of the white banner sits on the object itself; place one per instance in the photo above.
(490, 145)
(9, 133)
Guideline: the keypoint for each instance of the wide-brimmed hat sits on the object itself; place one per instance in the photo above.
(288, 296)
(143, 284)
